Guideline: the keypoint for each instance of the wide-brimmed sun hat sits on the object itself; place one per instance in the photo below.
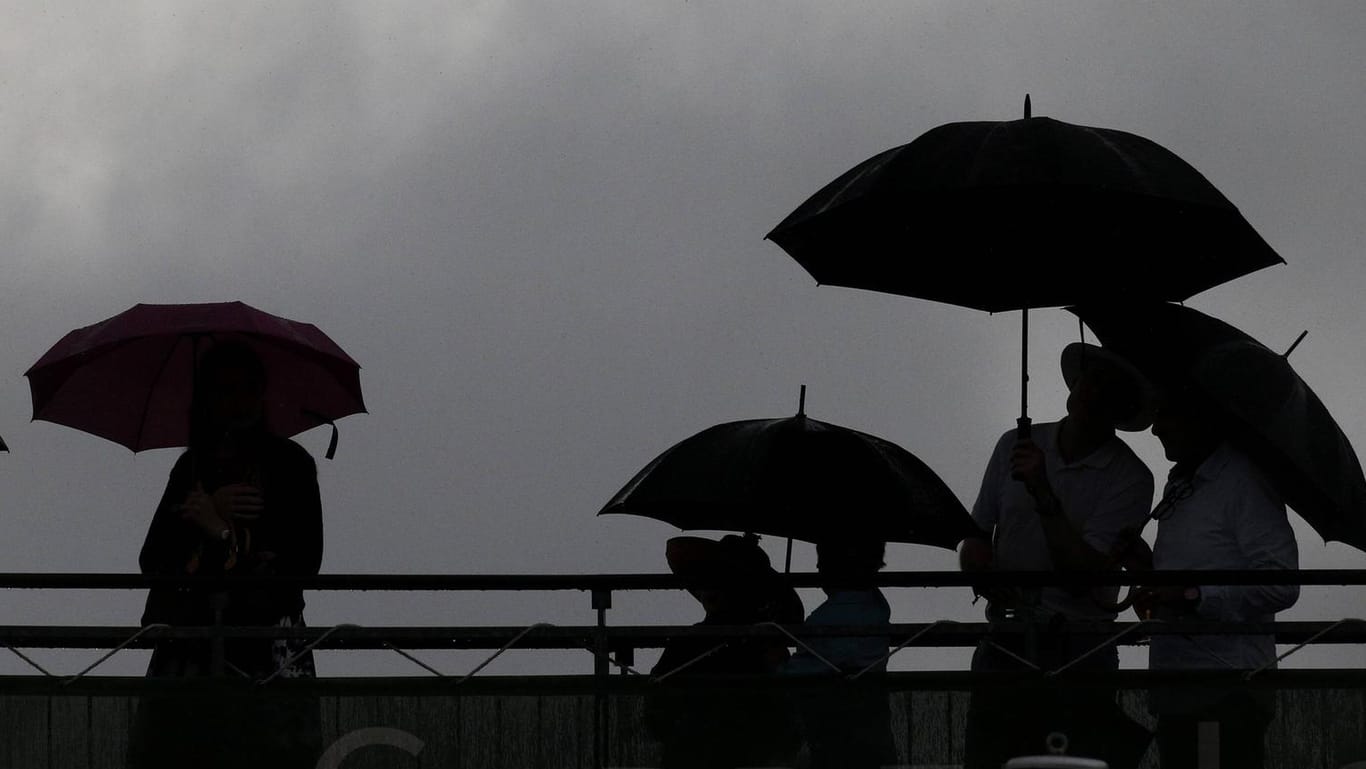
(732, 556)
(742, 566)
(1135, 389)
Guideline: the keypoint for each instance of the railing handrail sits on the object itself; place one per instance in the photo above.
(639, 581)
(922, 680)
(581, 637)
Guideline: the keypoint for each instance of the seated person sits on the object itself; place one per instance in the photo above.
(849, 729)
(725, 725)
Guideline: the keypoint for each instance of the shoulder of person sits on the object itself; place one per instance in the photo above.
(182, 472)
(287, 451)
(876, 603)
(183, 463)
(1240, 468)
(1009, 437)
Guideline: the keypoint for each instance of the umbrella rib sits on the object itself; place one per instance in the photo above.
(151, 391)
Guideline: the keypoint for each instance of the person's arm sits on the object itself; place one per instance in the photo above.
(172, 539)
(1112, 530)
(298, 502)
(974, 554)
(1067, 547)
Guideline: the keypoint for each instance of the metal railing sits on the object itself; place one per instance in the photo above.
(613, 647)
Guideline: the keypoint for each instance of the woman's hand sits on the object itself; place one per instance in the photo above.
(200, 510)
(238, 502)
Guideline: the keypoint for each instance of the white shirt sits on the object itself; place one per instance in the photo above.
(1227, 517)
(852, 654)
(1101, 494)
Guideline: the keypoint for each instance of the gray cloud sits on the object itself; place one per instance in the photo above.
(539, 228)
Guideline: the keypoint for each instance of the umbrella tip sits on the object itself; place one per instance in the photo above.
(801, 402)
(1027, 112)
(1295, 343)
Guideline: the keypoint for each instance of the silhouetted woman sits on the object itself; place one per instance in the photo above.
(240, 501)
(726, 722)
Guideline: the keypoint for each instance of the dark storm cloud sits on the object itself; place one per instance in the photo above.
(539, 229)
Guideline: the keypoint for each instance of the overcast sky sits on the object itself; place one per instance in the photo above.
(539, 228)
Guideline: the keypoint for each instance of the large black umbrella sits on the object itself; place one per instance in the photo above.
(1025, 213)
(798, 478)
(1270, 412)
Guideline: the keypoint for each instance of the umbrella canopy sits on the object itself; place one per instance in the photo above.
(1024, 213)
(1269, 410)
(130, 378)
(797, 478)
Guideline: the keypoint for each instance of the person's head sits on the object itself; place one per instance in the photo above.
(850, 562)
(1187, 425)
(736, 568)
(230, 387)
(1104, 389)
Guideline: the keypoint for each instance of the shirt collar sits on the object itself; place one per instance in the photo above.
(1212, 467)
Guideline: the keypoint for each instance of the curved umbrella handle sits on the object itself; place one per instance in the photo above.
(331, 444)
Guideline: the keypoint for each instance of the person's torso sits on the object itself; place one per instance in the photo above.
(1083, 488)
(1197, 529)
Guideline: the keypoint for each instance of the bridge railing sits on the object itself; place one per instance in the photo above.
(606, 709)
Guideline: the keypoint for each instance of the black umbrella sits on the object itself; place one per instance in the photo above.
(1025, 213)
(797, 478)
(1269, 410)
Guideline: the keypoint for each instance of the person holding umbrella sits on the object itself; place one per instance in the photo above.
(230, 383)
(1218, 511)
(1071, 496)
(1250, 440)
(240, 500)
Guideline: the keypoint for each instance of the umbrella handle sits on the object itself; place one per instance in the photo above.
(331, 444)
(1022, 428)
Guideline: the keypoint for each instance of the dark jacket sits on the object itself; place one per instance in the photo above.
(289, 530)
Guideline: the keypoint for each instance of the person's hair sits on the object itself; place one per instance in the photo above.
(227, 355)
(850, 559)
(223, 356)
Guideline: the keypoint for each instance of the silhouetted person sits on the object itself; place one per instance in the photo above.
(714, 723)
(239, 501)
(1218, 511)
(1066, 498)
(847, 725)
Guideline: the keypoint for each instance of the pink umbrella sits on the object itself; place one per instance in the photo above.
(129, 378)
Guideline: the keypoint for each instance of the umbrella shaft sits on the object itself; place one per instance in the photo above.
(1023, 422)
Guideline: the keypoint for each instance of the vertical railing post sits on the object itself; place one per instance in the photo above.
(1031, 637)
(217, 649)
(602, 601)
